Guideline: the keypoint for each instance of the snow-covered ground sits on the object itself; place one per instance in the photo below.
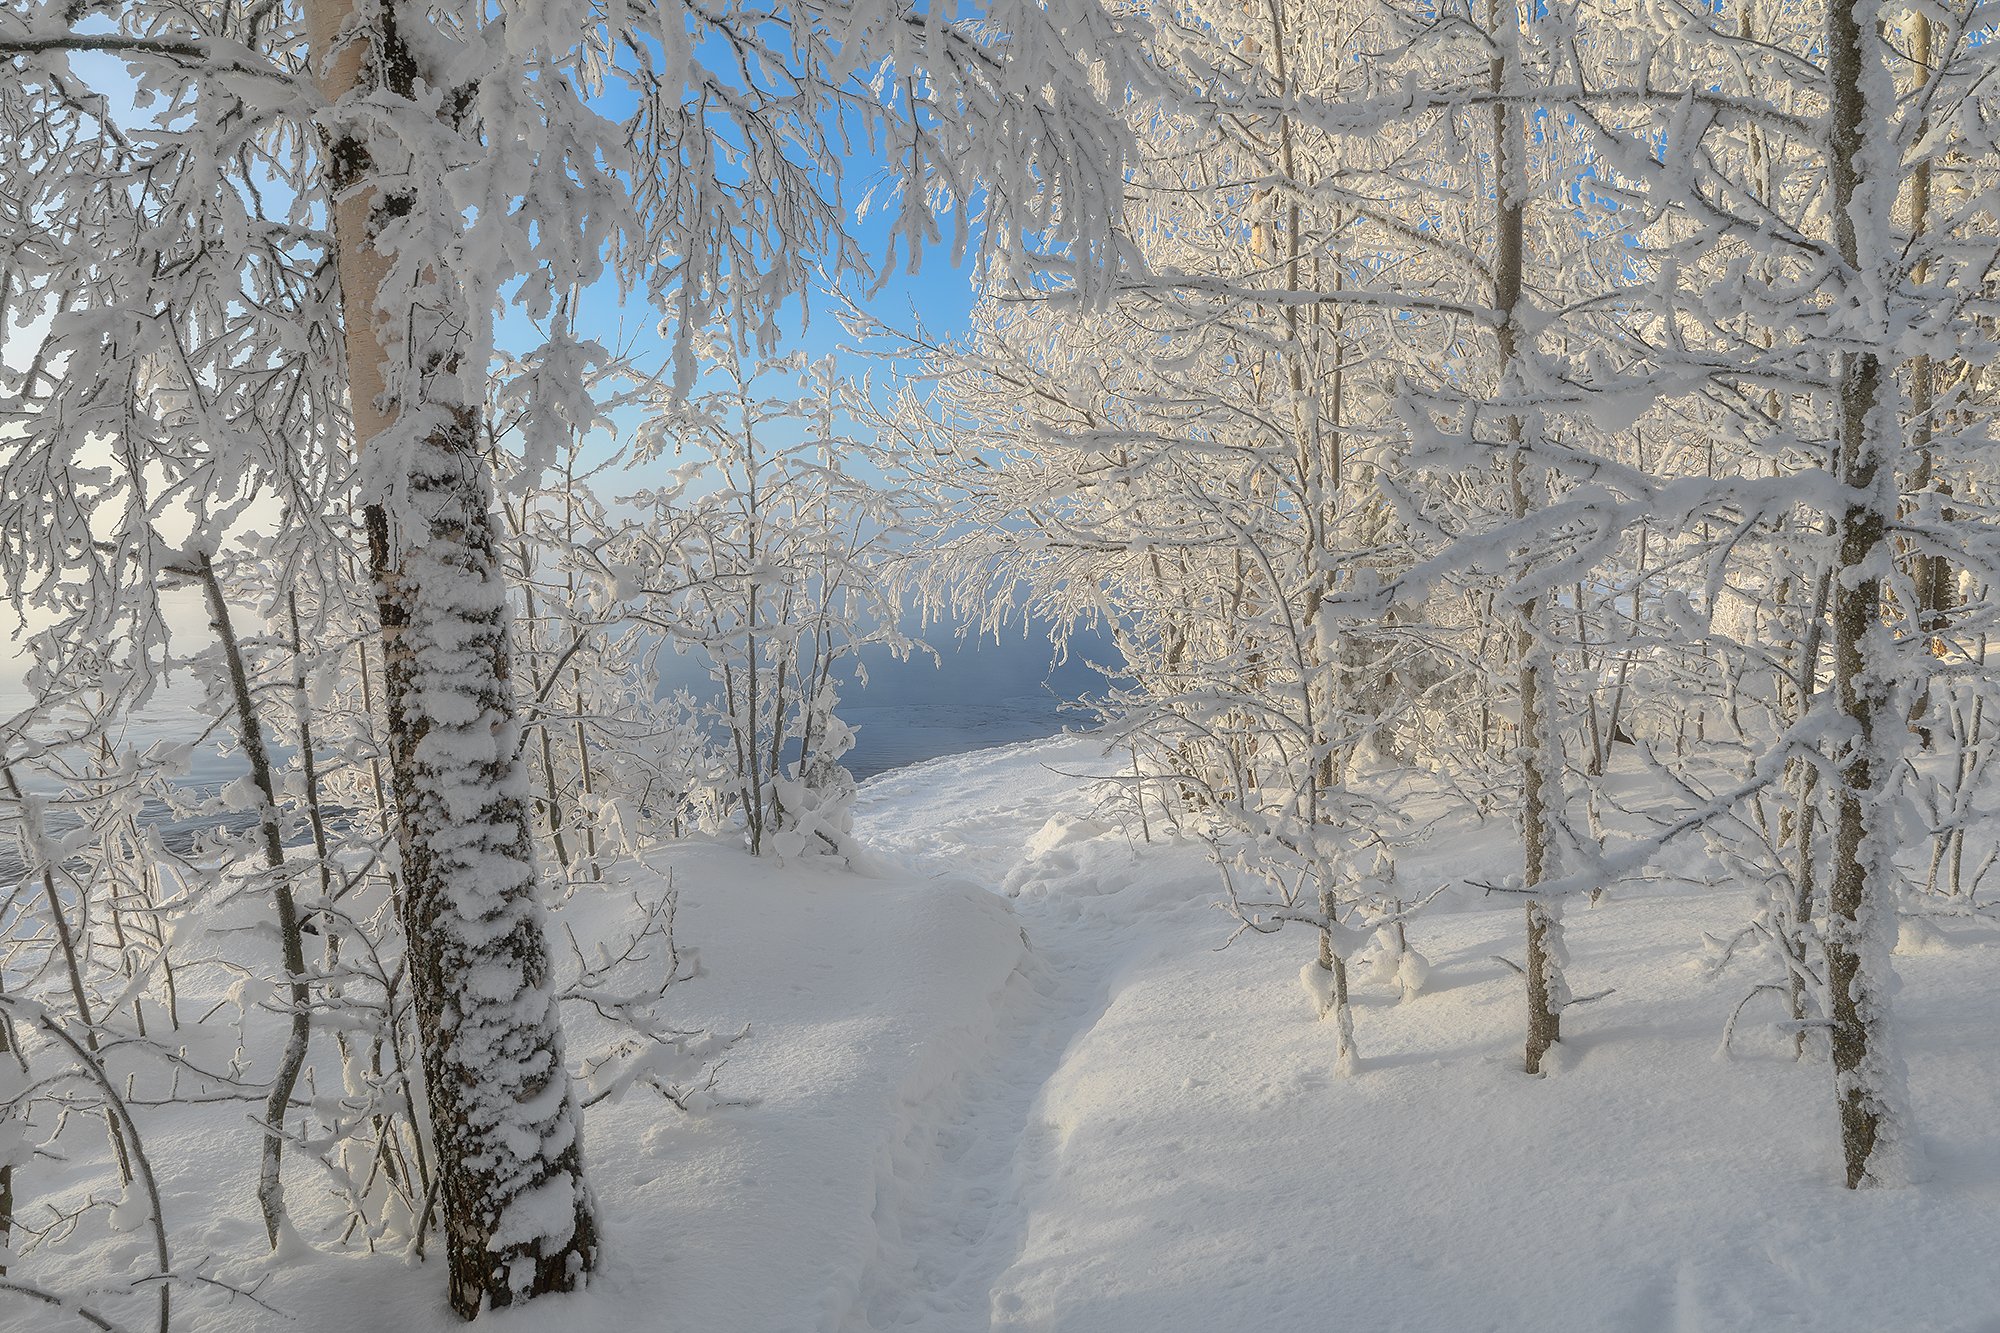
(1001, 1076)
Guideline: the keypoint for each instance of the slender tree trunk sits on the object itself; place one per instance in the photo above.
(505, 1126)
(1534, 741)
(586, 815)
(1331, 960)
(551, 787)
(8, 1049)
(1861, 919)
(1804, 780)
(33, 845)
(250, 735)
(1930, 574)
(308, 759)
(584, 778)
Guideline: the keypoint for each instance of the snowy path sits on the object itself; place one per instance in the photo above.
(954, 1210)
(964, 1183)
(954, 1213)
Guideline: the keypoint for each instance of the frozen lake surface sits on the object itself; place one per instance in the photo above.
(975, 695)
(890, 736)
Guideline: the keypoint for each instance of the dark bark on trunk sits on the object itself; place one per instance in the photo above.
(505, 1129)
(1859, 892)
(1533, 739)
(8, 1049)
(473, 1051)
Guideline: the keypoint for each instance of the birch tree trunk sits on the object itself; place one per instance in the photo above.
(517, 1216)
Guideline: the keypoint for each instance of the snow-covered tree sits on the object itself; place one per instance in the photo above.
(772, 555)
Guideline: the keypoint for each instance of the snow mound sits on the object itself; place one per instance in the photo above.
(1412, 973)
(1062, 830)
(1915, 935)
(1318, 984)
